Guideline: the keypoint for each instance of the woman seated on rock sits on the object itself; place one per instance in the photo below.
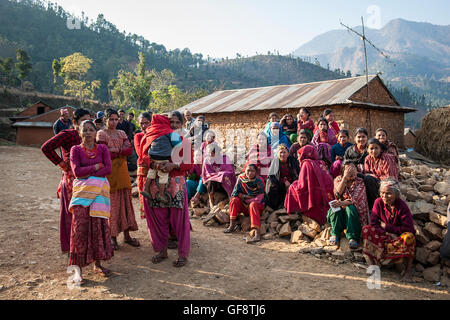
(248, 198)
(324, 139)
(283, 171)
(390, 235)
(313, 190)
(350, 194)
(261, 155)
(273, 117)
(303, 139)
(358, 152)
(304, 122)
(289, 127)
(380, 164)
(338, 152)
(217, 172)
(277, 137)
(388, 145)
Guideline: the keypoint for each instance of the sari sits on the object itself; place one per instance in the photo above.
(324, 141)
(313, 190)
(219, 170)
(397, 240)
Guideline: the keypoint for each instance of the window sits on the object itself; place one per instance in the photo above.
(40, 110)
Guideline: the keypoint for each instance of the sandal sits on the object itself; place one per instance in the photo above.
(252, 240)
(180, 262)
(133, 242)
(158, 259)
(353, 245)
(231, 229)
(333, 241)
(104, 272)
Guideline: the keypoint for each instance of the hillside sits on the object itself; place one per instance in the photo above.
(420, 55)
(41, 29)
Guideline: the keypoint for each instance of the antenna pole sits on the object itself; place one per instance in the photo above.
(365, 56)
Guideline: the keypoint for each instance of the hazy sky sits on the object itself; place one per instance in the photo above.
(224, 28)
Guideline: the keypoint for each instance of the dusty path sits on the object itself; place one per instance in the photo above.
(220, 267)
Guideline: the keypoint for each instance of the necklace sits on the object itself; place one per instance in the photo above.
(90, 153)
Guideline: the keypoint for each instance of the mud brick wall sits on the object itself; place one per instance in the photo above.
(378, 94)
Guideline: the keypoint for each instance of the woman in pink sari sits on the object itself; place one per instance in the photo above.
(313, 190)
(217, 172)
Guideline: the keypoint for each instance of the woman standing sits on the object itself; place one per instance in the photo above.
(350, 193)
(390, 235)
(248, 198)
(143, 161)
(65, 140)
(313, 190)
(90, 239)
(283, 172)
(160, 217)
(122, 213)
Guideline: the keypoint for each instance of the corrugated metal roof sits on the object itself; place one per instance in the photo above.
(323, 93)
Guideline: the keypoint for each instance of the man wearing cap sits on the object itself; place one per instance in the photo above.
(63, 123)
(99, 120)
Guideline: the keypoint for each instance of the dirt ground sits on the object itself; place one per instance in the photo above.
(220, 266)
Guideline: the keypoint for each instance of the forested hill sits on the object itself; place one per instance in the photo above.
(41, 29)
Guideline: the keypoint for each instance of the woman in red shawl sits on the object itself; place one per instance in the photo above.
(143, 161)
(217, 172)
(313, 190)
(378, 163)
(260, 154)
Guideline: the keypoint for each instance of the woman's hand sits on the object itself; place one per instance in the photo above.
(383, 225)
(99, 166)
(168, 167)
(64, 166)
(287, 184)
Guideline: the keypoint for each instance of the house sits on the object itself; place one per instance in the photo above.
(409, 138)
(36, 109)
(353, 106)
(36, 130)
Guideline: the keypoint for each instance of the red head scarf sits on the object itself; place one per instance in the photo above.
(159, 127)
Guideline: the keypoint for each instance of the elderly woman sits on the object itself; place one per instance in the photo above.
(304, 122)
(90, 239)
(303, 139)
(276, 137)
(338, 152)
(289, 127)
(313, 190)
(122, 213)
(324, 139)
(248, 198)
(65, 140)
(351, 210)
(283, 172)
(380, 164)
(260, 154)
(217, 172)
(390, 235)
(161, 217)
(388, 145)
(143, 161)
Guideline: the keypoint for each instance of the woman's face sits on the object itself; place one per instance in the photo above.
(361, 140)
(302, 139)
(112, 121)
(381, 136)
(388, 195)
(261, 140)
(88, 133)
(303, 115)
(323, 126)
(274, 119)
(275, 131)
(283, 154)
(175, 123)
(330, 117)
(83, 118)
(210, 137)
(250, 172)
(144, 123)
(289, 120)
(374, 150)
(343, 139)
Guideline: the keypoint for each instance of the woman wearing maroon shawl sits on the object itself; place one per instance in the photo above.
(217, 172)
(324, 139)
(313, 190)
(390, 235)
(65, 140)
(260, 154)
(143, 160)
(160, 216)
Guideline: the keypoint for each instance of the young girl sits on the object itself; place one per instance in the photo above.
(304, 122)
(338, 152)
(289, 127)
(324, 139)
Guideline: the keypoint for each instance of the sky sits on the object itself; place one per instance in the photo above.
(221, 29)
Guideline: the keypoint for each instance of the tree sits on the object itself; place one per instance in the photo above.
(23, 66)
(73, 70)
(7, 72)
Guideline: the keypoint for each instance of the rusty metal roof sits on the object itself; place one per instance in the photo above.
(324, 93)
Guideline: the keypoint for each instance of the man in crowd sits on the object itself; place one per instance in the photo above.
(189, 119)
(124, 125)
(63, 123)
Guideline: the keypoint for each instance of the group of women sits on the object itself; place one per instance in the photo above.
(308, 169)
